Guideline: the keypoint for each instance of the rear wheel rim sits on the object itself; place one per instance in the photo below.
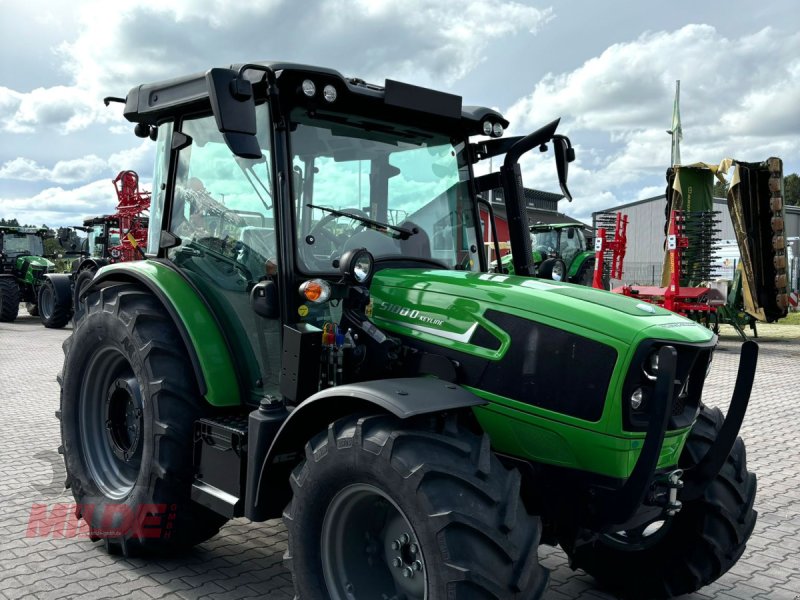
(111, 423)
(46, 302)
(369, 549)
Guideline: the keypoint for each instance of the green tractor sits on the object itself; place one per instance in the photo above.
(560, 253)
(345, 358)
(27, 276)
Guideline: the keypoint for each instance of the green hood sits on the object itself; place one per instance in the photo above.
(448, 303)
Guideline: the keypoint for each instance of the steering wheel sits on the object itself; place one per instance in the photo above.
(320, 231)
(209, 246)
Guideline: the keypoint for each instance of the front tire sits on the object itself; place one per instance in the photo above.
(384, 508)
(701, 543)
(128, 406)
(9, 299)
(54, 313)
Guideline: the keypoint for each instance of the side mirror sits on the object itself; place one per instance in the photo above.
(234, 109)
(264, 299)
(571, 233)
(565, 154)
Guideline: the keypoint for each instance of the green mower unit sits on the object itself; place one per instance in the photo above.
(316, 335)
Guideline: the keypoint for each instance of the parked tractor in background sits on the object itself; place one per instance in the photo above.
(23, 269)
(420, 420)
(110, 239)
(561, 252)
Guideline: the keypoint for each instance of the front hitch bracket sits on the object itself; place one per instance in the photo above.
(700, 476)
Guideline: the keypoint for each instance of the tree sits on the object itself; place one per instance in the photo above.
(720, 189)
(791, 189)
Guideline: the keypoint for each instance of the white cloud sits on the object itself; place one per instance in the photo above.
(739, 98)
(64, 171)
(68, 109)
(24, 169)
(58, 206)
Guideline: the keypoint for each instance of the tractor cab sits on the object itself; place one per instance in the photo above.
(293, 183)
(102, 234)
(19, 242)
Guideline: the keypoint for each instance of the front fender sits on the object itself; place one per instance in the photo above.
(202, 335)
(268, 474)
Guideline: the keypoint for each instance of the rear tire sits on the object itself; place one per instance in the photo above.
(128, 405)
(9, 299)
(437, 493)
(702, 541)
(585, 275)
(82, 281)
(54, 313)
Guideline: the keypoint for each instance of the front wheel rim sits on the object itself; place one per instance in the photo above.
(111, 423)
(369, 549)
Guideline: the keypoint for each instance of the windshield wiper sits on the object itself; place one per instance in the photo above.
(398, 233)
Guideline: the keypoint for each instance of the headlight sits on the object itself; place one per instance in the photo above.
(487, 128)
(636, 398)
(329, 93)
(497, 130)
(357, 265)
(309, 89)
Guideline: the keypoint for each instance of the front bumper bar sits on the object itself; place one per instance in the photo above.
(621, 505)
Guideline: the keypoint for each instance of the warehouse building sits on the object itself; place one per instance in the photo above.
(644, 254)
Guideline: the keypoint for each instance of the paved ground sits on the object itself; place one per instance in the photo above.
(245, 560)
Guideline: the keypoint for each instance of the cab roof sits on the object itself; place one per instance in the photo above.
(152, 103)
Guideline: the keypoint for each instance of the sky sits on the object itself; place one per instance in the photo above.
(607, 69)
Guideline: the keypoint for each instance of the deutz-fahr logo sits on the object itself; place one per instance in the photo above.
(409, 313)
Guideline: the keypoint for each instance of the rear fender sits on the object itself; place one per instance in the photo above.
(202, 335)
(62, 288)
(268, 489)
(577, 263)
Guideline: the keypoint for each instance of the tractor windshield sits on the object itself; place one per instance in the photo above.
(544, 241)
(21, 244)
(414, 182)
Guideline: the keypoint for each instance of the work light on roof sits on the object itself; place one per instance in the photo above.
(497, 130)
(329, 93)
(487, 128)
(309, 89)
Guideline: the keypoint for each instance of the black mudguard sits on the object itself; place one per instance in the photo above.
(62, 287)
(268, 489)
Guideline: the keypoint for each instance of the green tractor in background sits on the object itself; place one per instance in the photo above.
(561, 252)
(25, 276)
(316, 334)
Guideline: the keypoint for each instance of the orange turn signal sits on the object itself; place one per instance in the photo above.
(315, 290)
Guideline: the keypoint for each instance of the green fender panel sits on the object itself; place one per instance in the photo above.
(578, 261)
(207, 347)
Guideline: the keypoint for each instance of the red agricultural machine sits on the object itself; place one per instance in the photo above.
(119, 237)
(132, 222)
(609, 248)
